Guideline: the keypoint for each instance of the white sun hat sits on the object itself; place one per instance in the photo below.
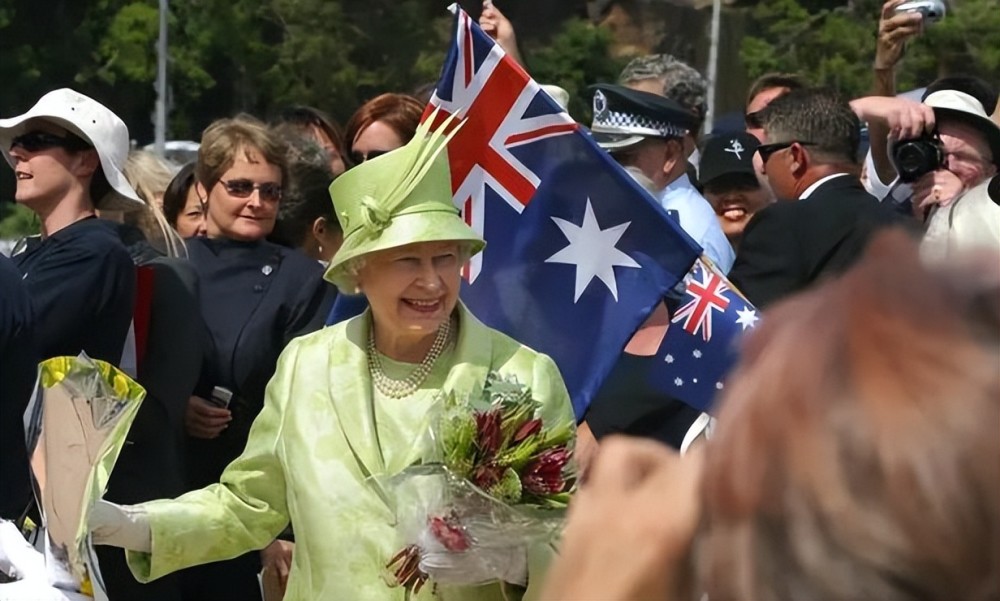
(97, 125)
(965, 108)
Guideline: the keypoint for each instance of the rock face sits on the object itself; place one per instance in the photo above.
(680, 28)
(677, 27)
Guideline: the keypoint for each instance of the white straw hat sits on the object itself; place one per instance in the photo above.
(963, 107)
(96, 124)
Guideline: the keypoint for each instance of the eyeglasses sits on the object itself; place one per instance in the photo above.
(243, 188)
(766, 150)
(34, 141)
(359, 158)
(753, 120)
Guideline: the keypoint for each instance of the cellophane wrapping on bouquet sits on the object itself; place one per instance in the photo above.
(75, 427)
(498, 482)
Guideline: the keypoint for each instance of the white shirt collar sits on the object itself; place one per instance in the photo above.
(805, 194)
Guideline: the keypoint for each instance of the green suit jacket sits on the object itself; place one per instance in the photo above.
(309, 459)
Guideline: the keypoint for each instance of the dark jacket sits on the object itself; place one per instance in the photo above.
(791, 244)
(81, 281)
(255, 297)
(18, 367)
(627, 404)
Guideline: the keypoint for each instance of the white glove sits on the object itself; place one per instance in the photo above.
(475, 566)
(124, 526)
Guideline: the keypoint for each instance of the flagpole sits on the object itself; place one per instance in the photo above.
(713, 64)
(160, 118)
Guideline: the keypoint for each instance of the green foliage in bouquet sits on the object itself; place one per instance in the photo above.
(495, 440)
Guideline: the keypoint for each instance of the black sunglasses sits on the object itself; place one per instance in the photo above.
(34, 141)
(359, 158)
(766, 150)
(243, 188)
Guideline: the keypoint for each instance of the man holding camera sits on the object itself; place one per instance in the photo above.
(941, 147)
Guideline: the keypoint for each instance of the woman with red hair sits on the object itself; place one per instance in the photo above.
(384, 123)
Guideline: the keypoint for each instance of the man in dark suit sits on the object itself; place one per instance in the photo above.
(823, 218)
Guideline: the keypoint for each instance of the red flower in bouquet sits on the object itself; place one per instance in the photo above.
(529, 428)
(544, 474)
(488, 433)
(448, 531)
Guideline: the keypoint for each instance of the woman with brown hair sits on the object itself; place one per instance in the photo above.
(384, 123)
(856, 456)
(255, 297)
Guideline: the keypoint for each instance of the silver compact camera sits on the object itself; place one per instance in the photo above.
(932, 10)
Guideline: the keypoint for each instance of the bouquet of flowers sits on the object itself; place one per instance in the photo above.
(75, 426)
(498, 481)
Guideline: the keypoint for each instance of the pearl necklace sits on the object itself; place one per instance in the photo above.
(397, 389)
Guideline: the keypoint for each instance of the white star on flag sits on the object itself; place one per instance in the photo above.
(696, 354)
(669, 358)
(678, 382)
(593, 252)
(747, 318)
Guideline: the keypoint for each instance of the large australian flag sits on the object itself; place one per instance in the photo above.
(577, 253)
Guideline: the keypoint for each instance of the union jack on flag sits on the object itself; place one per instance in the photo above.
(705, 289)
(577, 253)
(701, 344)
(493, 94)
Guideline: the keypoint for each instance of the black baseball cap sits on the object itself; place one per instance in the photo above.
(727, 154)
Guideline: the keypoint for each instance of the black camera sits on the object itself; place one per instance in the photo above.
(918, 156)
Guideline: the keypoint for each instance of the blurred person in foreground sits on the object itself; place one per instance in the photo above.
(869, 471)
(255, 297)
(354, 401)
(823, 218)
(68, 152)
(731, 184)
(183, 209)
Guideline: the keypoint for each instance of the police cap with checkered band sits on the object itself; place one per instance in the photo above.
(624, 117)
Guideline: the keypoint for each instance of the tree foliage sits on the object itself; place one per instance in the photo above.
(577, 56)
(833, 43)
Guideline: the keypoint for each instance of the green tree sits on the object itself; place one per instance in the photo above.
(577, 56)
(16, 222)
(833, 43)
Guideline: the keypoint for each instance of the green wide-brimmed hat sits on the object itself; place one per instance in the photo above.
(398, 198)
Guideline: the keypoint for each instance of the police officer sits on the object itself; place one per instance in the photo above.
(67, 153)
(645, 132)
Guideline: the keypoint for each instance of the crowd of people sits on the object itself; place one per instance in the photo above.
(854, 456)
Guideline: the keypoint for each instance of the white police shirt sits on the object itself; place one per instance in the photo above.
(698, 219)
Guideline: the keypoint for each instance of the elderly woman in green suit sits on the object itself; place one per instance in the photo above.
(352, 403)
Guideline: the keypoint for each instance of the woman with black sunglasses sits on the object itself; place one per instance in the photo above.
(255, 297)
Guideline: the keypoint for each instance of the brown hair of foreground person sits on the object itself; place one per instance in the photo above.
(857, 454)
